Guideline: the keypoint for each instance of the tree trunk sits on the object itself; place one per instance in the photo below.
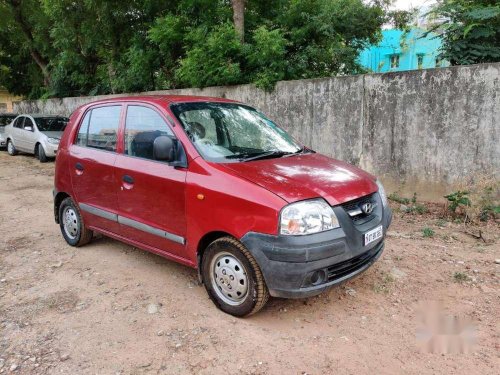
(239, 17)
(26, 29)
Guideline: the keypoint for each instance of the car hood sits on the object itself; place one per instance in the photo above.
(57, 135)
(306, 176)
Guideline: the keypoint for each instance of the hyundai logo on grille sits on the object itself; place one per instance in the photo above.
(367, 208)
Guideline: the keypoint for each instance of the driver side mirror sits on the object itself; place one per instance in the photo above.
(169, 150)
(28, 128)
(163, 148)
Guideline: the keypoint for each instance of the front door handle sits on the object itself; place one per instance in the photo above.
(128, 179)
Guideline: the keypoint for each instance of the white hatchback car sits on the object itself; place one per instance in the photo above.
(35, 134)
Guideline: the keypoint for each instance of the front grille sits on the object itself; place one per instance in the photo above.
(354, 206)
(349, 266)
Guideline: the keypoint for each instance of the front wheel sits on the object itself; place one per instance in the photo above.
(233, 278)
(73, 229)
(11, 149)
(40, 153)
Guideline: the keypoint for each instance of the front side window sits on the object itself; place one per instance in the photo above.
(99, 128)
(28, 123)
(51, 124)
(142, 126)
(222, 132)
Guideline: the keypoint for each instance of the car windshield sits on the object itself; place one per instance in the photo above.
(223, 132)
(51, 124)
(6, 119)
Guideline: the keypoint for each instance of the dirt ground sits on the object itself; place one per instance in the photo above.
(109, 308)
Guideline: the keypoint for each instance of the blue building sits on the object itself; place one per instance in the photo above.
(401, 50)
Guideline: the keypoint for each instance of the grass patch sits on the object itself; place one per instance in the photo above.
(383, 286)
(441, 223)
(395, 197)
(460, 277)
(428, 232)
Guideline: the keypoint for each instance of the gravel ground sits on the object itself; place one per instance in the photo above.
(109, 308)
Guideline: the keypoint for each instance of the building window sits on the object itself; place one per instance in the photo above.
(420, 61)
(394, 61)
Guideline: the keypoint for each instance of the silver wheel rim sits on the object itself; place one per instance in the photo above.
(229, 278)
(10, 148)
(70, 222)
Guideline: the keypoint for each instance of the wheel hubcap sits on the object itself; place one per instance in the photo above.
(229, 278)
(70, 222)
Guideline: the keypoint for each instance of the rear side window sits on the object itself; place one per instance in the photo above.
(19, 122)
(142, 126)
(99, 128)
(81, 138)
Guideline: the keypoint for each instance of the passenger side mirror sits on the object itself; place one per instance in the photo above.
(163, 148)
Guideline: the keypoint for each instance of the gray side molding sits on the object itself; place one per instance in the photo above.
(99, 212)
(132, 223)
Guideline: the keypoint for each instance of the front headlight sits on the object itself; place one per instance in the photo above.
(54, 141)
(307, 217)
(381, 191)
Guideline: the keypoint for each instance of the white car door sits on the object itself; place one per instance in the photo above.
(16, 133)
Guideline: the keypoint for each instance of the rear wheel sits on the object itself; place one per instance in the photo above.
(233, 278)
(40, 154)
(73, 229)
(11, 148)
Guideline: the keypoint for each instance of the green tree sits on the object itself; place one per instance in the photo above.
(470, 30)
(64, 47)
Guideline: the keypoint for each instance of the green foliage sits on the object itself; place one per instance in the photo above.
(401, 19)
(458, 199)
(397, 198)
(428, 232)
(214, 58)
(460, 277)
(470, 30)
(414, 207)
(267, 57)
(68, 48)
(489, 206)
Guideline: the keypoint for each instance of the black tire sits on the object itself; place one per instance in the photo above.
(11, 149)
(81, 235)
(256, 294)
(40, 154)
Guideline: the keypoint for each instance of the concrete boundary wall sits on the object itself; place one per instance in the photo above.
(420, 131)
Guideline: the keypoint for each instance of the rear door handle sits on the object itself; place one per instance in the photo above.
(79, 167)
(128, 179)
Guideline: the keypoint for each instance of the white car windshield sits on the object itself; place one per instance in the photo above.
(223, 132)
(51, 124)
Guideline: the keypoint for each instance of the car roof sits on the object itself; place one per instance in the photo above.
(169, 99)
(38, 115)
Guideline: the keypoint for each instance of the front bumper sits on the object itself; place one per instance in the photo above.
(51, 150)
(291, 264)
(3, 141)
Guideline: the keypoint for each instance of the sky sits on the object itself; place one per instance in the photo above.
(407, 4)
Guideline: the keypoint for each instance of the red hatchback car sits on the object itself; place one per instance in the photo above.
(215, 185)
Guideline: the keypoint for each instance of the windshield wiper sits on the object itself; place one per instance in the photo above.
(268, 154)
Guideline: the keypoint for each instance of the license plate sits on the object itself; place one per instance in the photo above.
(373, 235)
